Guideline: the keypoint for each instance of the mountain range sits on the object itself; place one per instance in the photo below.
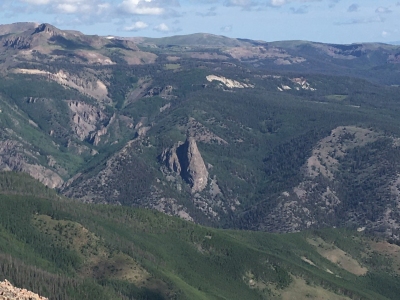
(230, 133)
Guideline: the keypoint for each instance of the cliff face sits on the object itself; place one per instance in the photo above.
(9, 292)
(171, 160)
(185, 160)
(194, 170)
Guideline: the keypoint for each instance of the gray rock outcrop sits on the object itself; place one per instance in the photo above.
(9, 292)
(185, 160)
(171, 160)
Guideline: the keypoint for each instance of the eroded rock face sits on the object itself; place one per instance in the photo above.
(84, 83)
(194, 170)
(16, 43)
(185, 160)
(170, 158)
(13, 157)
(230, 83)
(8, 291)
(48, 29)
(85, 118)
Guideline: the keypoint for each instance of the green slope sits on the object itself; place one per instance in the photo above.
(68, 250)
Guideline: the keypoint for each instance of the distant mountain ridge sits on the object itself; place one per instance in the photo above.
(17, 27)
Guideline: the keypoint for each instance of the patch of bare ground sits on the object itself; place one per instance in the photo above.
(299, 289)
(338, 256)
(280, 55)
(253, 282)
(93, 57)
(208, 56)
(391, 251)
(303, 258)
(138, 57)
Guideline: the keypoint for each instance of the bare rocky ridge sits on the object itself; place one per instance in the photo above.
(230, 83)
(9, 292)
(14, 157)
(86, 84)
(280, 56)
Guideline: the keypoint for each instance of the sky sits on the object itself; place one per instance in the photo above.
(331, 21)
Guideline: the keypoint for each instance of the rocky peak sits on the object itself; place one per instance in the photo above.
(194, 170)
(185, 160)
(48, 29)
(8, 291)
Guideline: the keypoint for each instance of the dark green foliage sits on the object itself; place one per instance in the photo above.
(21, 183)
(121, 81)
(365, 173)
(187, 261)
(69, 44)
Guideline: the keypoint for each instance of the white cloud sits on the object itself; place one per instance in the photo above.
(67, 8)
(70, 6)
(141, 7)
(37, 2)
(385, 33)
(278, 2)
(136, 26)
(103, 7)
(242, 3)
(162, 27)
(383, 10)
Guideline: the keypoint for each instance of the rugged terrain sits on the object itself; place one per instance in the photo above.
(234, 133)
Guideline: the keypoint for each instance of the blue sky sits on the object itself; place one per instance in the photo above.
(334, 21)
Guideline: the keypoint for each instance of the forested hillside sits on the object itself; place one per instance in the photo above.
(64, 249)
